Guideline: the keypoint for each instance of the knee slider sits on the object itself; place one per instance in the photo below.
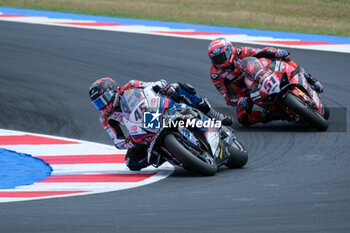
(243, 117)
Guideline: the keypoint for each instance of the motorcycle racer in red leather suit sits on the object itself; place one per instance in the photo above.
(226, 71)
(105, 95)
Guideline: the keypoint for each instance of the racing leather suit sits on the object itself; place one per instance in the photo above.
(230, 82)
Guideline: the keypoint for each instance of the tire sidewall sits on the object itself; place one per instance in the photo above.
(307, 114)
(187, 158)
(238, 157)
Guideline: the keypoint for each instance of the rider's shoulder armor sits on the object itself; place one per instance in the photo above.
(237, 51)
(132, 83)
(214, 76)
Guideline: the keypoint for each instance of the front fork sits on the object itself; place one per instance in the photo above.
(309, 96)
(300, 92)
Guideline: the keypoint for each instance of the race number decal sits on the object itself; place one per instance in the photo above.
(269, 84)
(139, 111)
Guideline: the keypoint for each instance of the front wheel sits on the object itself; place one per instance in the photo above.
(204, 165)
(303, 110)
(238, 155)
(325, 112)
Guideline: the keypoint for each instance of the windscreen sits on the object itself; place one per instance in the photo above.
(130, 100)
(251, 67)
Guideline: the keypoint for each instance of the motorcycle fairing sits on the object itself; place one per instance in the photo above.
(300, 81)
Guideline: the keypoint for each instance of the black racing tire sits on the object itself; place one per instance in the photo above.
(326, 112)
(238, 155)
(187, 158)
(310, 116)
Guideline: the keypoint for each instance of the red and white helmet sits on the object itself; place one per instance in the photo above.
(104, 94)
(221, 53)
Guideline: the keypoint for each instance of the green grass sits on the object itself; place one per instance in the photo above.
(329, 17)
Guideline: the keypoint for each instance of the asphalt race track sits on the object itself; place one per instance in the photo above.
(296, 180)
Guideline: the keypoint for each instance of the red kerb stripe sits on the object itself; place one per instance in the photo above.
(13, 15)
(89, 23)
(193, 33)
(98, 178)
(79, 159)
(31, 140)
(36, 193)
(298, 42)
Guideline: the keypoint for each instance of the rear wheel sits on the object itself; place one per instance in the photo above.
(203, 164)
(304, 111)
(238, 155)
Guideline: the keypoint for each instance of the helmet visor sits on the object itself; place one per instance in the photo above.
(221, 58)
(102, 101)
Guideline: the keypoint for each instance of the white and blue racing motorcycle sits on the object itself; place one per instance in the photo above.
(179, 134)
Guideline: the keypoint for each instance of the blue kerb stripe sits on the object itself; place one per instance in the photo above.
(205, 28)
(21, 169)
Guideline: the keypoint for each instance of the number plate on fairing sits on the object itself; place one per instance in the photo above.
(270, 85)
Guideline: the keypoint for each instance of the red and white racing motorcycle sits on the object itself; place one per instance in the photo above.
(284, 92)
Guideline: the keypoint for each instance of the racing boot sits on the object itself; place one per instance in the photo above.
(187, 94)
(226, 120)
(315, 84)
(205, 107)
